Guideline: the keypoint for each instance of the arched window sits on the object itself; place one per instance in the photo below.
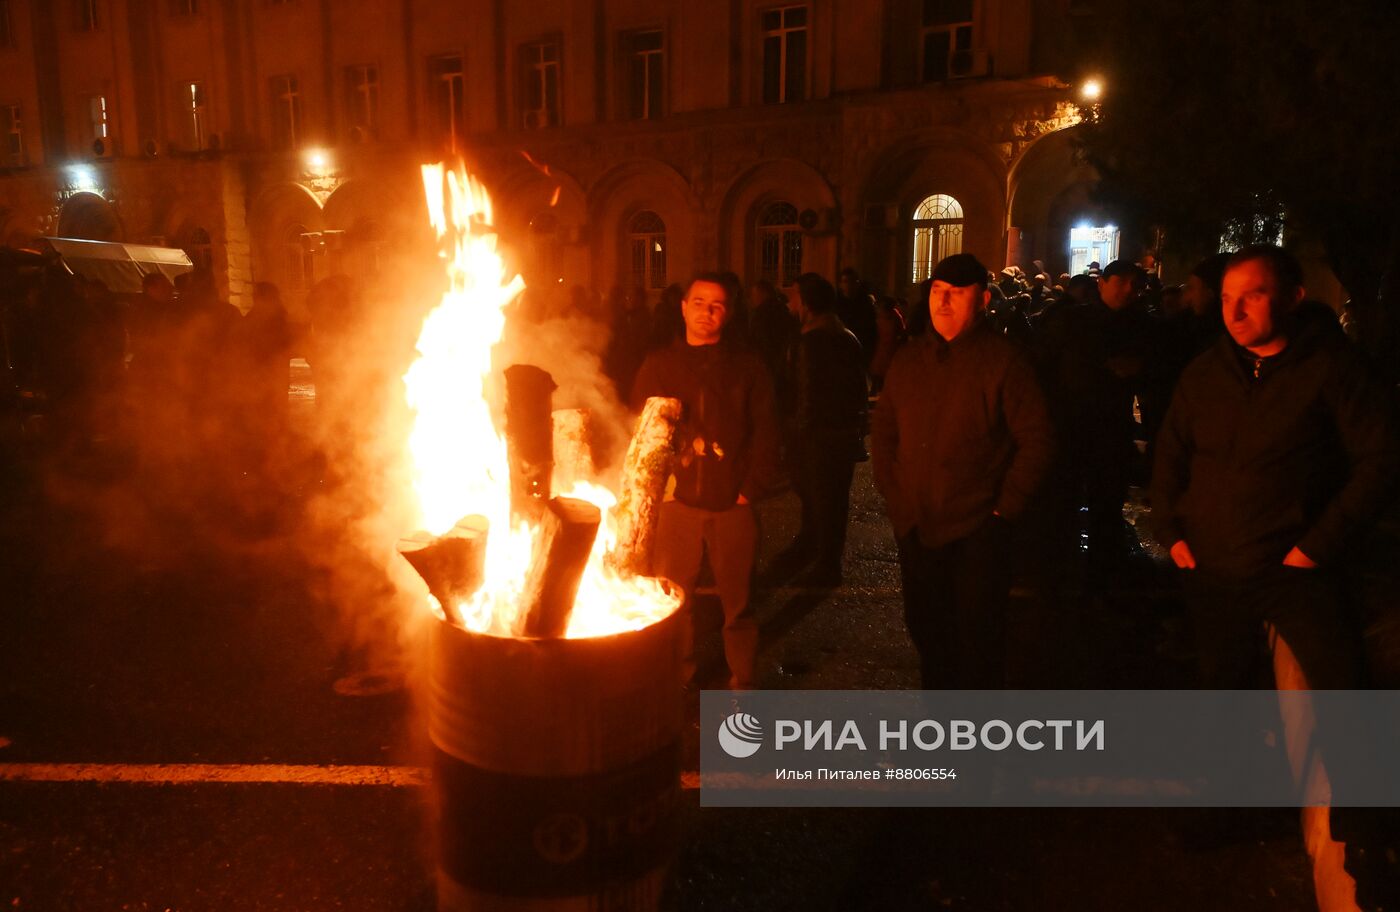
(938, 233)
(779, 243)
(195, 242)
(299, 257)
(646, 250)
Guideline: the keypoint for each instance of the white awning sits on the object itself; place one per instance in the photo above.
(120, 267)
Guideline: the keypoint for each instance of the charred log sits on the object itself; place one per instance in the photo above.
(453, 564)
(567, 528)
(529, 438)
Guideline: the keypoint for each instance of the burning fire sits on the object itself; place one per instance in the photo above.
(458, 453)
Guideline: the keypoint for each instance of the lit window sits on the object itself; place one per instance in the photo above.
(938, 233)
(11, 136)
(99, 117)
(646, 248)
(784, 54)
(947, 39)
(286, 112)
(195, 114)
(85, 15)
(362, 101)
(447, 98)
(540, 102)
(779, 243)
(645, 75)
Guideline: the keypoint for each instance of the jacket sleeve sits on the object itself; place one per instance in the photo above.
(1028, 421)
(884, 446)
(1171, 467)
(1365, 422)
(760, 476)
(646, 384)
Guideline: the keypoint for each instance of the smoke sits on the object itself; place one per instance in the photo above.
(571, 343)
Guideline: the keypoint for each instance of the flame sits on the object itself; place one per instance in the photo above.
(457, 451)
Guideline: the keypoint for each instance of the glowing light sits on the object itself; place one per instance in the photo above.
(83, 177)
(457, 451)
(317, 159)
(1091, 90)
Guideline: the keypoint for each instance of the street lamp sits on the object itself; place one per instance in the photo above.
(1091, 90)
(83, 177)
(317, 160)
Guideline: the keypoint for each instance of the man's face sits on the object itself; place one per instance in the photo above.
(953, 308)
(794, 302)
(1251, 304)
(705, 308)
(1117, 292)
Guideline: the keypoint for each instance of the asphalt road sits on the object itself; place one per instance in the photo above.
(140, 629)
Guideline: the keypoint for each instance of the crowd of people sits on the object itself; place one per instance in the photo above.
(1003, 403)
(1005, 400)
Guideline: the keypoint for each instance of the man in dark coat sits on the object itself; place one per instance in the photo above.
(728, 442)
(1095, 357)
(828, 429)
(960, 439)
(1279, 446)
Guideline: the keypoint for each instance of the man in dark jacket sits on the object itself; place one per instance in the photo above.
(828, 429)
(1279, 445)
(1095, 356)
(960, 441)
(728, 442)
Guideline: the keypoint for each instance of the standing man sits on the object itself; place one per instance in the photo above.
(1096, 355)
(728, 441)
(1279, 445)
(828, 430)
(960, 440)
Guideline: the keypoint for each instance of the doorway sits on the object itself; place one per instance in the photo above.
(1092, 244)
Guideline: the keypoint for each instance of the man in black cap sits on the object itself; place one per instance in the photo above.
(960, 441)
(1095, 357)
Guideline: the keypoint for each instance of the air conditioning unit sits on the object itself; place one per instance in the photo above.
(969, 64)
(817, 221)
(103, 147)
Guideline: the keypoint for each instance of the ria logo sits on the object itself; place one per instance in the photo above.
(741, 735)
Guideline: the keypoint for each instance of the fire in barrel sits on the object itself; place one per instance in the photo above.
(554, 712)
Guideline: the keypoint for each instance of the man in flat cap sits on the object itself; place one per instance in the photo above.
(960, 441)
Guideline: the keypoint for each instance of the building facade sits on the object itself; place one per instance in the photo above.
(625, 142)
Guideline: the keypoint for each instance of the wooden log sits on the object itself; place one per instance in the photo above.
(563, 542)
(529, 438)
(573, 448)
(453, 564)
(644, 474)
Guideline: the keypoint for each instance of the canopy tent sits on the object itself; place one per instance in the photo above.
(120, 267)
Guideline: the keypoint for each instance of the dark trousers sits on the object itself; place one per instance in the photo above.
(1305, 606)
(1308, 611)
(684, 535)
(955, 600)
(823, 485)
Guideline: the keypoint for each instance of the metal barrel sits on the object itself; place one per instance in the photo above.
(556, 769)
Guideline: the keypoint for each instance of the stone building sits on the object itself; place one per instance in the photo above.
(626, 142)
